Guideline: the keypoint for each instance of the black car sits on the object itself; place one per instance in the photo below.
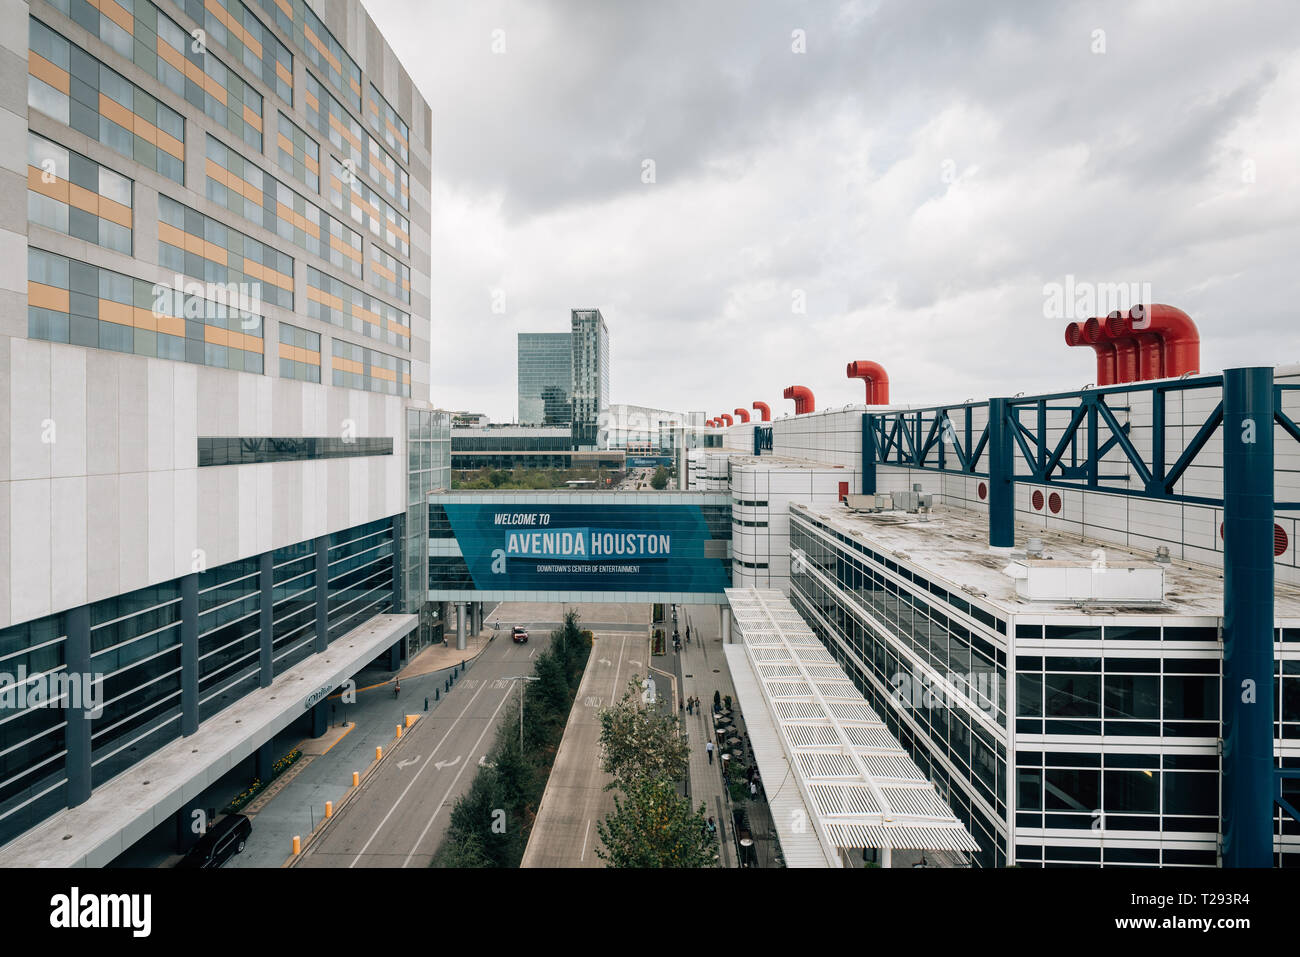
(223, 840)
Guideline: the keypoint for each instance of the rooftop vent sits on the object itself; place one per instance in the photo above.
(1073, 582)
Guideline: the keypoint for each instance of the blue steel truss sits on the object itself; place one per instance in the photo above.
(944, 439)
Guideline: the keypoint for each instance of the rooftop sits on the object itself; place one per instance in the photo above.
(951, 548)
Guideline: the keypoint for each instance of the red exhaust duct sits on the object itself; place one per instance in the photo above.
(1105, 350)
(763, 410)
(803, 398)
(1180, 342)
(1126, 349)
(875, 377)
(1150, 356)
(742, 414)
(726, 418)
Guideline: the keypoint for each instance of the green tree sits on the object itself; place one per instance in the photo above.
(659, 480)
(641, 744)
(653, 826)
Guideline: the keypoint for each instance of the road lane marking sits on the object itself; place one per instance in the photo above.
(613, 690)
(587, 833)
(414, 778)
(486, 728)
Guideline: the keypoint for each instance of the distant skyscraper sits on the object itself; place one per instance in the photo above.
(545, 378)
(590, 375)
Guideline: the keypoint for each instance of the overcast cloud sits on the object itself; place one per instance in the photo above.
(917, 175)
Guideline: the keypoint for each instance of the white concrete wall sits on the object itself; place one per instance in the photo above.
(833, 436)
(102, 492)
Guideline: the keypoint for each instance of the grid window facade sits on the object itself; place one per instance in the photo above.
(243, 188)
(135, 643)
(177, 59)
(327, 55)
(546, 379)
(293, 606)
(193, 244)
(361, 570)
(74, 195)
(299, 353)
(385, 121)
(389, 275)
(69, 85)
(356, 367)
(86, 305)
(334, 301)
(297, 154)
(363, 151)
(234, 26)
(230, 634)
(367, 208)
(33, 740)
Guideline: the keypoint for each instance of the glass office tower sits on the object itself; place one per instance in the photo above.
(590, 375)
(545, 378)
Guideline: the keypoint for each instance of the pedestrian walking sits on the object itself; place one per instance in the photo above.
(708, 748)
(690, 703)
(713, 828)
(753, 788)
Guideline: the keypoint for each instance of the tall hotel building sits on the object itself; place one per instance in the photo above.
(590, 375)
(215, 434)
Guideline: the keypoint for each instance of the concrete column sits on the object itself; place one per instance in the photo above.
(395, 654)
(77, 650)
(460, 625)
(886, 857)
(266, 582)
(1248, 701)
(190, 654)
(322, 594)
(320, 719)
(724, 617)
(262, 761)
(190, 826)
(869, 454)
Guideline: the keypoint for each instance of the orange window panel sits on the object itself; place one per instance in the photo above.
(215, 90)
(398, 328)
(285, 143)
(252, 119)
(116, 112)
(285, 7)
(55, 189)
(195, 72)
(123, 18)
(217, 172)
(172, 234)
(216, 336)
(312, 102)
(117, 313)
(348, 365)
(171, 55)
(144, 129)
(115, 212)
(143, 318)
(284, 72)
(253, 269)
(218, 254)
(47, 72)
(172, 326)
(171, 144)
(311, 164)
(47, 297)
(381, 373)
(83, 199)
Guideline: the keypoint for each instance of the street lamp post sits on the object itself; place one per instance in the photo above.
(521, 678)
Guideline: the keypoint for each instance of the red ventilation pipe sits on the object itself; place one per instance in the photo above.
(726, 418)
(763, 410)
(875, 377)
(1150, 359)
(708, 423)
(1126, 349)
(803, 398)
(742, 414)
(1105, 351)
(1180, 343)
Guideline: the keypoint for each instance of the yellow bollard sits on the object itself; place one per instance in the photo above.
(329, 810)
(297, 845)
(410, 719)
(356, 779)
(399, 730)
(379, 753)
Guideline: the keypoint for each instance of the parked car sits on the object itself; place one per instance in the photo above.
(519, 634)
(223, 840)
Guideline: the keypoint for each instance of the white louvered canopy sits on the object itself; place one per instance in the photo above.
(858, 784)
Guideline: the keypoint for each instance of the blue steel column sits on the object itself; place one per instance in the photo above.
(1002, 490)
(1247, 815)
(266, 586)
(868, 454)
(190, 654)
(78, 733)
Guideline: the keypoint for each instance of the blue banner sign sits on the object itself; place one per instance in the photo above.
(593, 547)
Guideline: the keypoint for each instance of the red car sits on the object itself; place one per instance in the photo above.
(519, 634)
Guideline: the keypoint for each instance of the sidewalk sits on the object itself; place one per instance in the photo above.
(704, 670)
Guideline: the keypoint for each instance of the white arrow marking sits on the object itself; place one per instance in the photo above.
(447, 764)
(605, 661)
(633, 661)
(408, 762)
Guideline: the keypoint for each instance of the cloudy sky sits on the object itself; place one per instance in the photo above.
(897, 180)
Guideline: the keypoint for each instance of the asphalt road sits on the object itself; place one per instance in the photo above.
(400, 815)
(564, 834)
